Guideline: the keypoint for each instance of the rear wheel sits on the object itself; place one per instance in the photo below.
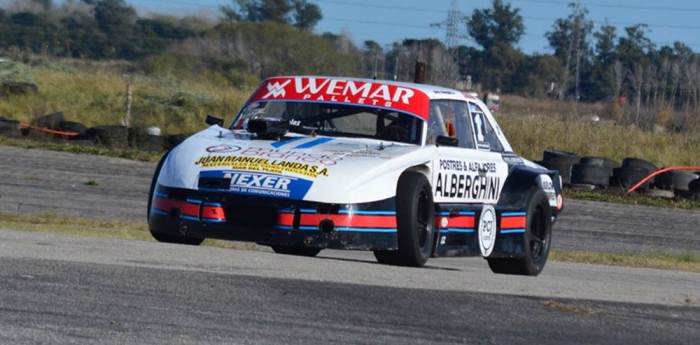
(159, 236)
(299, 251)
(415, 216)
(537, 238)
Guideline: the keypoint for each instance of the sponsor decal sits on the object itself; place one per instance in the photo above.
(545, 182)
(512, 159)
(276, 89)
(262, 184)
(290, 155)
(263, 165)
(487, 230)
(464, 186)
(467, 180)
(344, 91)
(223, 148)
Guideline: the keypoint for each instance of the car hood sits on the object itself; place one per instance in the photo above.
(312, 168)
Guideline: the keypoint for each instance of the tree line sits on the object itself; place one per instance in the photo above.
(642, 83)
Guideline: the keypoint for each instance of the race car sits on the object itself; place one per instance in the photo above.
(408, 171)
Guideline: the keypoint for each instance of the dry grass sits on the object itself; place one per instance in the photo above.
(96, 94)
(535, 125)
(679, 262)
(51, 223)
(75, 226)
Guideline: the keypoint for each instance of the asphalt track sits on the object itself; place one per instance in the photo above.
(60, 289)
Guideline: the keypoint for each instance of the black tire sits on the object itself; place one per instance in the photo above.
(560, 157)
(563, 168)
(561, 161)
(50, 121)
(152, 188)
(415, 218)
(628, 177)
(694, 186)
(606, 162)
(70, 126)
(159, 236)
(110, 136)
(19, 88)
(677, 181)
(298, 251)
(10, 128)
(638, 163)
(537, 240)
(597, 175)
(173, 140)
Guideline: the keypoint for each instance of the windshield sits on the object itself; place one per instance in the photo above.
(337, 119)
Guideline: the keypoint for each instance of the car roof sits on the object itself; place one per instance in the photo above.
(402, 96)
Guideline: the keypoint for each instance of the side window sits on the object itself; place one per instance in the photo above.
(450, 118)
(486, 137)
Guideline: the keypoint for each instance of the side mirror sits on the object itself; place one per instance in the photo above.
(446, 141)
(213, 120)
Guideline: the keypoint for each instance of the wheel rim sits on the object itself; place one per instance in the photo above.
(423, 220)
(538, 234)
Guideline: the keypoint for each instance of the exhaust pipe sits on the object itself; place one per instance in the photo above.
(327, 226)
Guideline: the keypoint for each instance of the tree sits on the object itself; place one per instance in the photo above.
(538, 75)
(601, 79)
(570, 42)
(306, 15)
(81, 36)
(236, 52)
(497, 30)
(633, 48)
(294, 12)
(499, 24)
(117, 21)
(371, 56)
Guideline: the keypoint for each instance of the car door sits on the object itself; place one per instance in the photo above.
(466, 169)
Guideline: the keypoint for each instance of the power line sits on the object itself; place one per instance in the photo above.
(609, 5)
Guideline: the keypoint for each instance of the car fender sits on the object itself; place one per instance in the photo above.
(522, 179)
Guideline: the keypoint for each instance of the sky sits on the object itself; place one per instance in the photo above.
(390, 21)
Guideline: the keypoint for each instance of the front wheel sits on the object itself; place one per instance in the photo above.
(537, 240)
(159, 236)
(415, 216)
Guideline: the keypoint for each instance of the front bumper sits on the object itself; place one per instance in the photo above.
(273, 221)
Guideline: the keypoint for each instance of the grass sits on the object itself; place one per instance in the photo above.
(95, 93)
(532, 130)
(680, 262)
(50, 223)
(139, 231)
(619, 196)
(67, 146)
(75, 226)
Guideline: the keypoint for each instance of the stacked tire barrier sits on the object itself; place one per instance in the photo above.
(631, 172)
(9, 128)
(594, 171)
(561, 161)
(600, 172)
(54, 126)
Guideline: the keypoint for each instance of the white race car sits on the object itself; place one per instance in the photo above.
(408, 171)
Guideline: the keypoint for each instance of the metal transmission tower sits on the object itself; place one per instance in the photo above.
(452, 33)
(454, 17)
